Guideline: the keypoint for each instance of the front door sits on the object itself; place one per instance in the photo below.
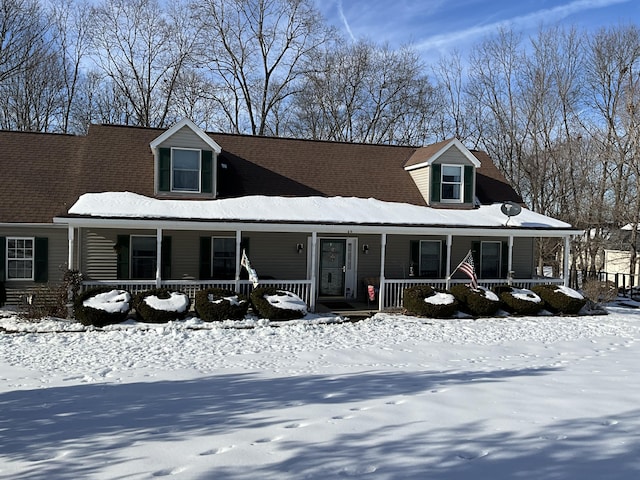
(332, 267)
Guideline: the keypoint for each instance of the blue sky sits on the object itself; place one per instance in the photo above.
(436, 27)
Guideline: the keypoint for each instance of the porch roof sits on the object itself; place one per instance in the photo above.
(124, 208)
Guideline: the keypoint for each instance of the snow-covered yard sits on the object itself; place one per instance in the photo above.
(391, 397)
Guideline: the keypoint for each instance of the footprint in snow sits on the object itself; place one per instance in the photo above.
(295, 425)
(169, 471)
(216, 451)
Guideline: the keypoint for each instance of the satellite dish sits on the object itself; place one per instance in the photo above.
(510, 209)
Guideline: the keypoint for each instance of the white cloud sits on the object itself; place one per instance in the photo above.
(530, 20)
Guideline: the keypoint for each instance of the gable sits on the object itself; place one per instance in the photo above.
(445, 174)
(185, 159)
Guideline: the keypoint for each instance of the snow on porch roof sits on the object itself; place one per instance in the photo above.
(304, 210)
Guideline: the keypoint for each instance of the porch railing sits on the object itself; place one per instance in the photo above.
(394, 289)
(301, 288)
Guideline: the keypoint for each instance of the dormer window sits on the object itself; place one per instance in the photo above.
(185, 162)
(451, 183)
(185, 170)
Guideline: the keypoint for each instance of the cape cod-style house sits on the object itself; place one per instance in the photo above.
(138, 208)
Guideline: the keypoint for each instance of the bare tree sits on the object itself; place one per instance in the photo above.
(366, 93)
(22, 29)
(254, 51)
(71, 23)
(142, 51)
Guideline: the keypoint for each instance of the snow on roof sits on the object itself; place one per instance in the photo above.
(333, 210)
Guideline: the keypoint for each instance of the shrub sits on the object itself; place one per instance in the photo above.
(425, 301)
(274, 304)
(161, 305)
(560, 299)
(600, 292)
(480, 303)
(520, 301)
(102, 306)
(217, 304)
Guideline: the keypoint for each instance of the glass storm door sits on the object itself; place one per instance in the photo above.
(332, 267)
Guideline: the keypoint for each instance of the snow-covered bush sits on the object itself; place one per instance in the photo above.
(102, 306)
(425, 301)
(560, 299)
(520, 301)
(275, 304)
(480, 303)
(161, 305)
(218, 304)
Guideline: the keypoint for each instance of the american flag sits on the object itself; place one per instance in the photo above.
(468, 268)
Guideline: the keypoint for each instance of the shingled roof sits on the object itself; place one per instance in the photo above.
(48, 172)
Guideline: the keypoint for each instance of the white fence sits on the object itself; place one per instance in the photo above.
(301, 288)
(394, 289)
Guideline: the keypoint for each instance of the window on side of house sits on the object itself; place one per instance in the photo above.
(490, 259)
(185, 170)
(143, 257)
(451, 183)
(223, 258)
(430, 260)
(20, 258)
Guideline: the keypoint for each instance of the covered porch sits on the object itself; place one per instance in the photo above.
(316, 247)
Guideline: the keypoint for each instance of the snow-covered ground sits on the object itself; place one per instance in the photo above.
(390, 397)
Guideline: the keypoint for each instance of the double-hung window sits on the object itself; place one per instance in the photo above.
(143, 257)
(451, 183)
(223, 258)
(185, 170)
(430, 260)
(490, 259)
(20, 258)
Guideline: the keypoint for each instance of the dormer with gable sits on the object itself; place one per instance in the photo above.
(445, 174)
(185, 160)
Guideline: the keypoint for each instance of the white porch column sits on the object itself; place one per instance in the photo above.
(314, 266)
(72, 241)
(565, 263)
(510, 262)
(448, 272)
(238, 256)
(158, 257)
(383, 251)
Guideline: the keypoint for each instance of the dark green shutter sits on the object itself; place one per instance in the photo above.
(504, 267)
(468, 184)
(205, 258)
(436, 179)
(414, 256)
(164, 170)
(207, 171)
(122, 249)
(165, 255)
(3, 259)
(41, 256)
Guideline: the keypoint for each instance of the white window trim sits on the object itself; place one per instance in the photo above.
(131, 237)
(199, 190)
(439, 242)
(33, 259)
(213, 250)
(482, 244)
(442, 184)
